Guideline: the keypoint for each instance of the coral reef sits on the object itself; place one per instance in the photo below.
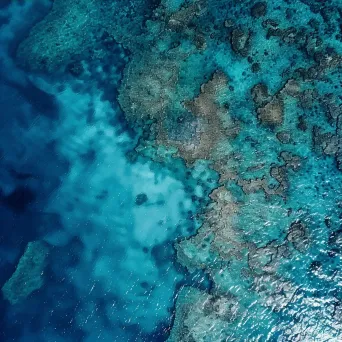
(253, 91)
(83, 30)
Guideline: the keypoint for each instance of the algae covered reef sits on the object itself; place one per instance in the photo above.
(237, 104)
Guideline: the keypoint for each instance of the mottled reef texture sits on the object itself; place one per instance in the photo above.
(254, 88)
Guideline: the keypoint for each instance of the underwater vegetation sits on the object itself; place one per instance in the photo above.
(183, 174)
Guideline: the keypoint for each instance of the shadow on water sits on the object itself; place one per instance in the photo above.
(41, 101)
(5, 3)
(19, 199)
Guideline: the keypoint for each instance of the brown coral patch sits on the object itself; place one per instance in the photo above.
(210, 125)
(270, 109)
(278, 172)
(298, 236)
(218, 227)
(272, 114)
(219, 218)
(241, 41)
(260, 94)
(181, 19)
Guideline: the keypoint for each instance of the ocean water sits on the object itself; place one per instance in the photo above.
(170, 171)
(107, 223)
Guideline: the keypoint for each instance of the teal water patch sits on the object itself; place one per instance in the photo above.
(112, 244)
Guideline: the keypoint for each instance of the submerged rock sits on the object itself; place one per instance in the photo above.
(272, 114)
(284, 137)
(298, 236)
(240, 41)
(260, 95)
(203, 317)
(29, 274)
(259, 9)
(141, 199)
(260, 259)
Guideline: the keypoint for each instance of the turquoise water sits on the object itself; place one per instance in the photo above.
(170, 170)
